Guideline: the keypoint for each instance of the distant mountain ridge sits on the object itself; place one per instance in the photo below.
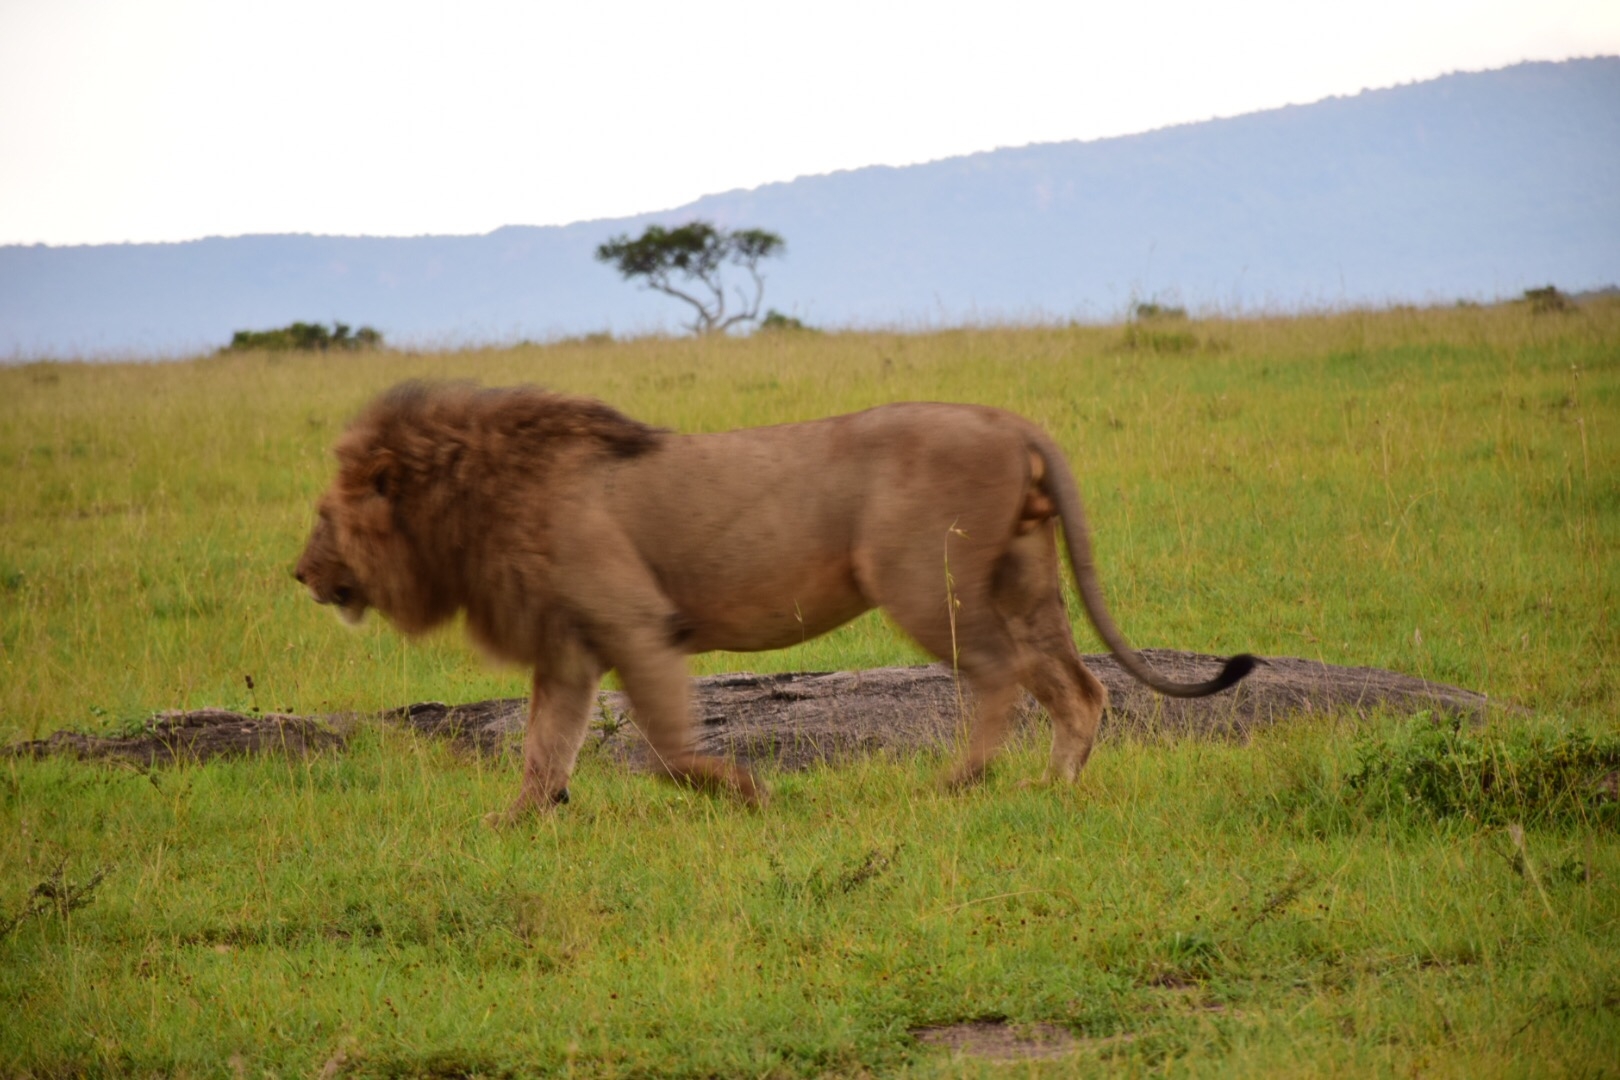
(1467, 186)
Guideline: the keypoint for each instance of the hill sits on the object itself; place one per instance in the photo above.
(1471, 185)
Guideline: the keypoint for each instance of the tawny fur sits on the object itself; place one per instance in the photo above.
(578, 541)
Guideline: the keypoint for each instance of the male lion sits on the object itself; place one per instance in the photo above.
(578, 540)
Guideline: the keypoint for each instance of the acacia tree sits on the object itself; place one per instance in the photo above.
(694, 254)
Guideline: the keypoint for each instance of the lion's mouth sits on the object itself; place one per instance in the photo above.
(347, 601)
(350, 603)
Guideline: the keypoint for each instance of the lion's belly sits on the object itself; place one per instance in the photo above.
(749, 613)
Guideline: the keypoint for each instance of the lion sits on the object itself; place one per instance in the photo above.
(578, 541)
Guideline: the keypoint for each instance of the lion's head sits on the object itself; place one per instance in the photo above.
(322, 570)
(363, 551)
(425, 474)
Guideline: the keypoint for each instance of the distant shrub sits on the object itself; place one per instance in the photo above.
(305, 337)
(1547, 300)
(1149, 310)
(776, 321)
(592, 339)
(1153, 328)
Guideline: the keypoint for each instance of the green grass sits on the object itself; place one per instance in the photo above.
(1436, 492)
(1187, 895)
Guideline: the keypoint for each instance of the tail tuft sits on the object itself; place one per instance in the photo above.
(1235, 671)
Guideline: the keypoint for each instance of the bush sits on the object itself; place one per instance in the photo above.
(775, 321)
(1547, 300)
(1530, 775)
(305, 337)
(1154, 327)
(594, 338)
(1149, 310)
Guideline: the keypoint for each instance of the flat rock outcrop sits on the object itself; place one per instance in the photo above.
(792, 721)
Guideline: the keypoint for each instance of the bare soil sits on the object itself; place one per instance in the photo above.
(995, 1040)
(794, 721)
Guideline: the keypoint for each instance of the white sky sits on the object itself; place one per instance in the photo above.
(174, 119)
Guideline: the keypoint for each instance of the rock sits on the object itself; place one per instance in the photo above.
(795, 720)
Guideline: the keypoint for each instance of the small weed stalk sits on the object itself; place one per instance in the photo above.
(951, 606)
(1283, 895)
(608, 723)
(1521, 864)
(56, 893)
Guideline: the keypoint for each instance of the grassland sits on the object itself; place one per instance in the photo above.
(1436, 492)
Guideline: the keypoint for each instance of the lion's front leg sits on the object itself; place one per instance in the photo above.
(559, 715)
(638, 631)
(656, 680)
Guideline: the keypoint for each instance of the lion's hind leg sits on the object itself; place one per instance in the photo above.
(1074, 699)
(1029, 596)
(967, 633)
(1048, 665)
(946, 603)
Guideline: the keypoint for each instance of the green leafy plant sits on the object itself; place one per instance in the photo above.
(1534, 775)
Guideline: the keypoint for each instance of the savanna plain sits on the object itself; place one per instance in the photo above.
(1432, 491)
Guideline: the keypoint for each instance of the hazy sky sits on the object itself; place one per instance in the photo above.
(174, 119)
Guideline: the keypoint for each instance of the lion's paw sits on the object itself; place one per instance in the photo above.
(499, 820)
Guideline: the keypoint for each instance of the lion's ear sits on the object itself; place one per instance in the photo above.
(384, 473)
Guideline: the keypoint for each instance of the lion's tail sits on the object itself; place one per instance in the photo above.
(1060, 486)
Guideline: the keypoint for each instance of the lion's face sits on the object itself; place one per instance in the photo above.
(360, 554)
(330, 580)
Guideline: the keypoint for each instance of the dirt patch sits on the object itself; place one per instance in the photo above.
(796, 720)
(200, 735)
(996, 1040)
